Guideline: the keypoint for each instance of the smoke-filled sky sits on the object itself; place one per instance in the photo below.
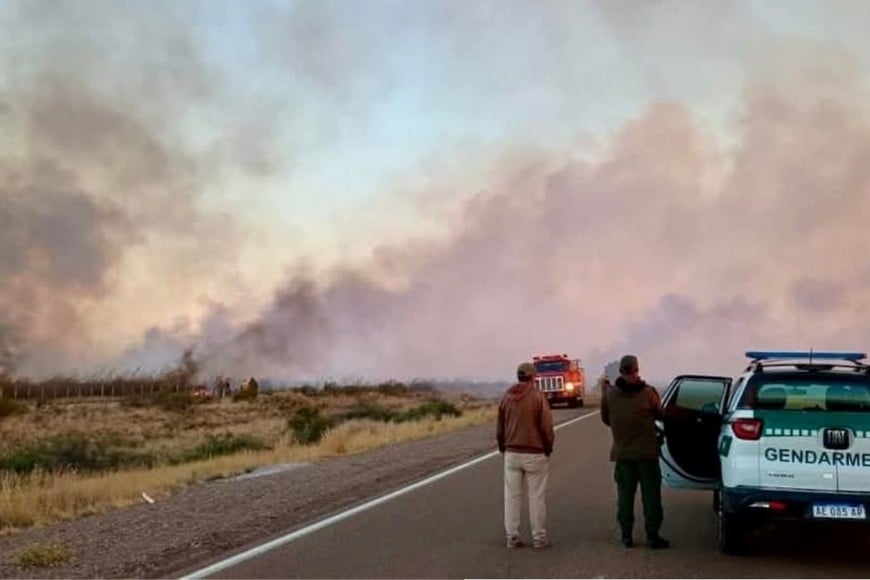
(441, 189)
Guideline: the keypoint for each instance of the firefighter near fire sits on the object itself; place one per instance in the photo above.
(560, 378)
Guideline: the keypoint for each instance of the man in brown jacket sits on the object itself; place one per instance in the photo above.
(525, 435)
(630, 407)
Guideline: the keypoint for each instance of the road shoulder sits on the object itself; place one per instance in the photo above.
(205, 521)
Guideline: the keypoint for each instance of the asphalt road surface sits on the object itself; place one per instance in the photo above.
(452, 528)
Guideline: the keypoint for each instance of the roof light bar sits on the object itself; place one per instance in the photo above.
(811, 355)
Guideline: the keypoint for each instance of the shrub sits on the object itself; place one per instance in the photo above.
(370, 411)
(174, 401)
(392, 388)
(9, 407)
(245, 395)
(136, 401)
(75, 451)
(307, 390)
(420, 386)
(167, 400)
(436, 409)
(217, 445)
(42, 555)
(308, 425)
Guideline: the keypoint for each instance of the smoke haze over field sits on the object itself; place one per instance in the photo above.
(296, 196)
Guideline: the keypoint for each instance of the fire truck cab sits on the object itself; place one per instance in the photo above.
(562, 379)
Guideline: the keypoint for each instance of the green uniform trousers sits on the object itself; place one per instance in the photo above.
(627, 475)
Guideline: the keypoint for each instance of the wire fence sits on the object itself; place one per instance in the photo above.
(66, 389)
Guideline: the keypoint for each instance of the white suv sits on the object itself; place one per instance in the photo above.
(789, 439)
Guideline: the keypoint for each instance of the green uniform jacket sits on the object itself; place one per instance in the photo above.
(630, 410)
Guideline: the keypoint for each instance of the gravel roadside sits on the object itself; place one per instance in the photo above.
(205, 521)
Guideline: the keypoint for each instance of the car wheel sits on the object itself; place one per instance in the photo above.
(579, 402)
(732, 532)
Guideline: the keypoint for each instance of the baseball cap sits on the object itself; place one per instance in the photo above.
(526, 371)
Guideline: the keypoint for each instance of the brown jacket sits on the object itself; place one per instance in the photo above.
(525, 423)
(630, 410)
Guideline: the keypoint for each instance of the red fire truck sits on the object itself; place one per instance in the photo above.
(562, 379)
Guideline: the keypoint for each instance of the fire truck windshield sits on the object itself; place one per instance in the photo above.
(554, 366)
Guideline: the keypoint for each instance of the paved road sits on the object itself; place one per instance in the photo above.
(452, 528)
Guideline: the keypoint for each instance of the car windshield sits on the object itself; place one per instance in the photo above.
(556, 366)
(808, 393)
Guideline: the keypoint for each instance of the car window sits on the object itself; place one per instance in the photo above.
(699, 395)
(818, 393)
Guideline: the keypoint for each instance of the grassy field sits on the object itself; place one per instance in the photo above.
(67, 458)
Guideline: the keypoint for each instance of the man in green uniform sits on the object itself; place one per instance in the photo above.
(630, 407)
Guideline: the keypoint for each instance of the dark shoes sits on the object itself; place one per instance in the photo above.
(658, 543)
(653, 543)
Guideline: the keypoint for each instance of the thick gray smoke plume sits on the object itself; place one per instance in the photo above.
(674, 239)
(92, 173)
(668, 247)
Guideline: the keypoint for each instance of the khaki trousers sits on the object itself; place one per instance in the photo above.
(529, 470)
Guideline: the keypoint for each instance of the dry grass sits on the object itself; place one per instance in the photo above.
(154, 427)
(356, 436)
(42, 555)
(41, 498)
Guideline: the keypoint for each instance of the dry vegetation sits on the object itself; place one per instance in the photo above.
(42, 555)
(64, 459)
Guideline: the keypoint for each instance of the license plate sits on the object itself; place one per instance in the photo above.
(838, 511)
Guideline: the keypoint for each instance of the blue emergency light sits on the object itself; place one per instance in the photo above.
(811, 355)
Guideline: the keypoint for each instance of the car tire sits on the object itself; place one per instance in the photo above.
(731, 532)
(579, 402)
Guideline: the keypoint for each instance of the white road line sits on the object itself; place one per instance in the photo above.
(293, 536)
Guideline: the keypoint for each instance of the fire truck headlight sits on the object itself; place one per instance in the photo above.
(569, 386)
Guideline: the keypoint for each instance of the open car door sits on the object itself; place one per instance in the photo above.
(693, 407)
